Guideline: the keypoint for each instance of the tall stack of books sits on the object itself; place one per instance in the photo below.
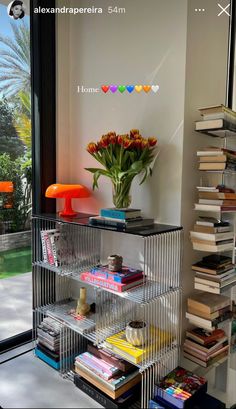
(120, 281)
(214, 274)
(207, 343)
(121, 219)
(217, 117)
(210, 234)
(216, 198)
(48, 342)
(114, 379)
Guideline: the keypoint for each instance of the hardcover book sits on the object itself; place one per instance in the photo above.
(126, 274)
(181, 387)
(205, 337)
(120, 213)
(122, 402)
(111, 358)
(110, 284)
(119, 344)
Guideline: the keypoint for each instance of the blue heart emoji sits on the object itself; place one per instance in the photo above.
(130, 88)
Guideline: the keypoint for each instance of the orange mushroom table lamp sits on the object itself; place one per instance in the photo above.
(7, 187)
(67, 192)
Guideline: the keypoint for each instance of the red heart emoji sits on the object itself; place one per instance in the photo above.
(105, 88)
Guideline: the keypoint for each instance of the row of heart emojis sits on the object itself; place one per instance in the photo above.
(130, 88)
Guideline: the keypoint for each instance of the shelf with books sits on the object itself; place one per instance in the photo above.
(145, 291)
(65, 251)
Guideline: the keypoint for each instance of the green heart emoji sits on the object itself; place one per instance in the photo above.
(122, 88)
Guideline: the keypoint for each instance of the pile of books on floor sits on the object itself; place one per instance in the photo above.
(217, 119)
(48, 342)
(121, 219)
(183, 389)
(216, 198)
(214, 274)
(212, 235)
(215, 158)
(207, 310)
(121, 281)
(108, 379)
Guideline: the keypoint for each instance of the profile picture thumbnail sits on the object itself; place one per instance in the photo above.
(16, 9)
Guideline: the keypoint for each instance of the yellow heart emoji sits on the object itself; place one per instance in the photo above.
(146, 88)
(138, 88)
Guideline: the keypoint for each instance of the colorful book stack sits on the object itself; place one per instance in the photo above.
(121, 219)
(115, 379)
(216, 198)
(50, 246)
(218, 117)
(124, 280)
(214, 274)
(210, 234)
(48, 342)
(180, 389)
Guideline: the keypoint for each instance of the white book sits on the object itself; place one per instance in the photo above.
(199, 322)
(212, 208)
(214, 237)
(207, 188)
(215, 152)
(213, 248)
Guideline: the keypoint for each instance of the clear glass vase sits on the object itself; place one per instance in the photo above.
(121, 193)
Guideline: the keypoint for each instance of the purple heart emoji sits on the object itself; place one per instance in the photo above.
(130, 88)
(113, 88)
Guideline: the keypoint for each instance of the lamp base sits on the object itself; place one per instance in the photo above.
(68, 214)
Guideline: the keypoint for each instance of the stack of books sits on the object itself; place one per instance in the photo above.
(112, 377)
(121, 219)
(180, 389)
(208, 310)
(214, 274)
(216, 199)
(121, 281)
(215, 158)
(211, 240)
(205, 348)
(217, 117)
(48, 342)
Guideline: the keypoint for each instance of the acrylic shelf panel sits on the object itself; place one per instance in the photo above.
(156, 251)
(112, 316)
(158, 256)
(140, 294)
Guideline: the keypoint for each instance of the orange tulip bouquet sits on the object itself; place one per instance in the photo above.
(123, 157)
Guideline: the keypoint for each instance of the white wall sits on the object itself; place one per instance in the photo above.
(147, 45)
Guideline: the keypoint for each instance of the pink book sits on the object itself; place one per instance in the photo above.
(109, 284)
(49, 249)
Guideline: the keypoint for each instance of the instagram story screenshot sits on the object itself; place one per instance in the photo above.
(118, 204)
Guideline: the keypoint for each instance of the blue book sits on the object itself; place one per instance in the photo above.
(123, 214)
(125, 275)
(155, 405)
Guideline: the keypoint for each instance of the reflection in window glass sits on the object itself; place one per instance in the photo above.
(15, 170)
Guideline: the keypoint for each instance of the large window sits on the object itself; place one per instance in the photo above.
(15, 169)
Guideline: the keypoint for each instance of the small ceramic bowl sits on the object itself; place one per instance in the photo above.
(136, 333)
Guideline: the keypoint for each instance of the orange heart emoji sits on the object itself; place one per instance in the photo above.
(138, 88)
(146, 88)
